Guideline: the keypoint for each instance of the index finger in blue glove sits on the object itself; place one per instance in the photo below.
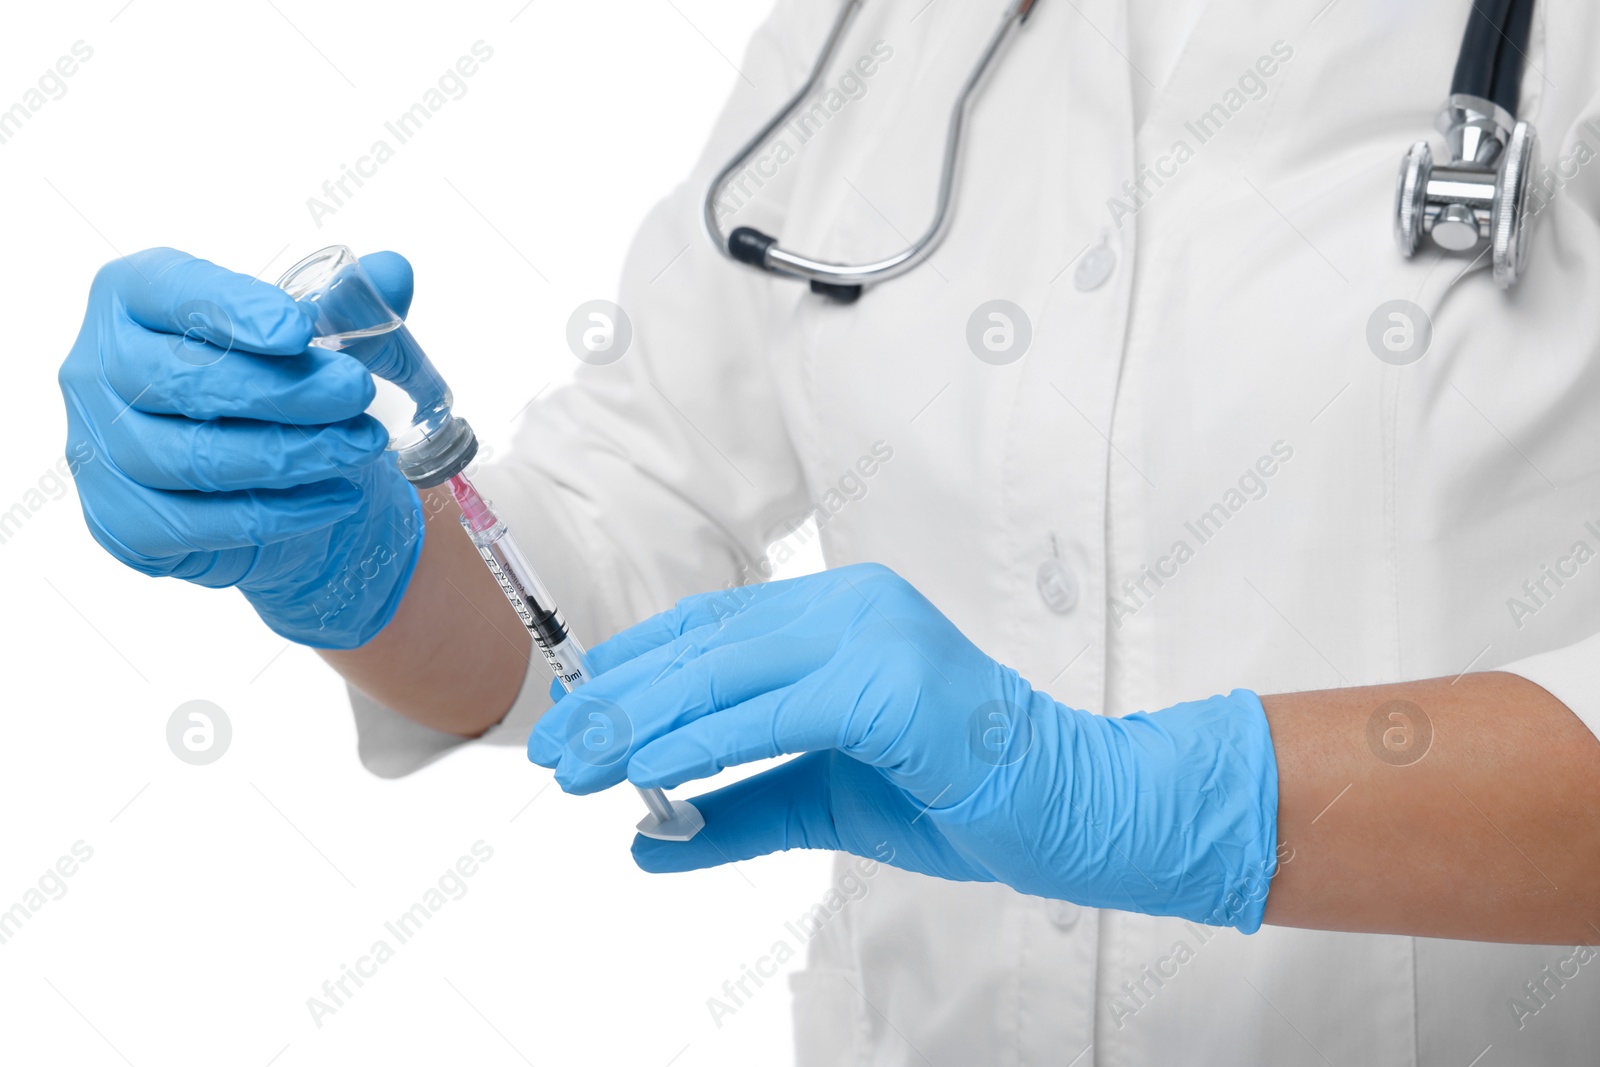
(632, 716)
(225, 454)
(731, 617)
(164, 374)
(623, 669)
(806, 716)
(173, 292)
(687, 615)
(756, 624)
(671, 635)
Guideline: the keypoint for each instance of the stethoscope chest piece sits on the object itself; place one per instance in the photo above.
(1478, 201)
(1480, 196)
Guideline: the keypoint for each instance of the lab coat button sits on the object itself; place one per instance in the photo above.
(1063, 914)
(1058, 586)
(1094, 268)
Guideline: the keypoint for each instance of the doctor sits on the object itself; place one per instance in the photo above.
(1120, 446)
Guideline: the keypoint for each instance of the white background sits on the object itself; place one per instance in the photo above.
(219, 898)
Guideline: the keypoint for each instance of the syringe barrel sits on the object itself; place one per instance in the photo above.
(563, 653)
(533, 605)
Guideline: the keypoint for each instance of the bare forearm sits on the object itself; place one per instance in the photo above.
(1466, 809)
(454, 656)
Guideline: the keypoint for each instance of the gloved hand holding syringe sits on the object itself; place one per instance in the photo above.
(433, 446)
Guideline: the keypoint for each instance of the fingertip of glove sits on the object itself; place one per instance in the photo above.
(542, 750)
(271, 332)
(342, 384)
(353, 449)
(394, 277)
(663, 857)
(370, 435)
(268, 321)
(579, 779)
(648, 774)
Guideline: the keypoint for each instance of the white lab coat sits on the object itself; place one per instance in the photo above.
(1405, 509)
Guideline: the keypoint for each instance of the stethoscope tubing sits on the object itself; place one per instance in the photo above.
(1487, 75)
(783, 261)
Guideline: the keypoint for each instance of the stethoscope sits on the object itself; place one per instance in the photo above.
(1480, 196)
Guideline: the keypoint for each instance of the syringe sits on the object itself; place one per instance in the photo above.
(669, 820)
(433, 446)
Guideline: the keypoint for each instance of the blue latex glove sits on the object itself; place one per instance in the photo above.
(210, 444)
(921, 750)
